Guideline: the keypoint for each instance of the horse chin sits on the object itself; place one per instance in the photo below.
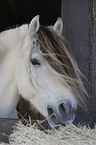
(55, 122)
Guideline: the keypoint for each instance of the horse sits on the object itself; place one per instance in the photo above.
(36, 63)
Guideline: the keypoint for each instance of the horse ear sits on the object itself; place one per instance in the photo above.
(34, 26)
(58, 26)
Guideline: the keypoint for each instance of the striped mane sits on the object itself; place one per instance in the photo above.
(58, 54)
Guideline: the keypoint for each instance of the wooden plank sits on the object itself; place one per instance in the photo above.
(79, 30)
(6, 128)
(92, 44)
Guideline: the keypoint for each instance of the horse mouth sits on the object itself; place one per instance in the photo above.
(56, 120)
(52, 119)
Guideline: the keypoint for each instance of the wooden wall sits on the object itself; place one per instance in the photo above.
(80, 30)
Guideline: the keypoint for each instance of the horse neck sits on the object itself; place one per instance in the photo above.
(10, 42)
(10, 45)
(9, 38)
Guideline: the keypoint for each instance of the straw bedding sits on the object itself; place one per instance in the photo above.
(69, 135)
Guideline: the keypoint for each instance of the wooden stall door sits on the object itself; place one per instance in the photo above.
(80, 30)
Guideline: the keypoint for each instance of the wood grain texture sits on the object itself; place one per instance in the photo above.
(79, 30)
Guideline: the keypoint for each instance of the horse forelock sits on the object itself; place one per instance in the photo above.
(57, 53)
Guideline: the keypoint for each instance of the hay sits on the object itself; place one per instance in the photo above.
(69, 135)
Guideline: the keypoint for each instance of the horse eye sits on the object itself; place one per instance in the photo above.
(35, 62)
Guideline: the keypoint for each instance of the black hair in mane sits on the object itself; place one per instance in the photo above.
(59, 56)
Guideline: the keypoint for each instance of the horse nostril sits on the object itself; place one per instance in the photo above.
(64, 113)
(63, 108)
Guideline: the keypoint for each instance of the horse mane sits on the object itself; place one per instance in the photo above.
(58, 54)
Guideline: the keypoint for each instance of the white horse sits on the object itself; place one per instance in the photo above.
(36, 63)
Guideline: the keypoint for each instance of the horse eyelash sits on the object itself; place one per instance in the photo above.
(35, 61)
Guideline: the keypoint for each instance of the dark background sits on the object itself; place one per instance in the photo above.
(18, 12)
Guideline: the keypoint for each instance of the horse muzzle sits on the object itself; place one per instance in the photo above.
(63, 114)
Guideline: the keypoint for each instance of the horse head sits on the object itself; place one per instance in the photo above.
(47, 73)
